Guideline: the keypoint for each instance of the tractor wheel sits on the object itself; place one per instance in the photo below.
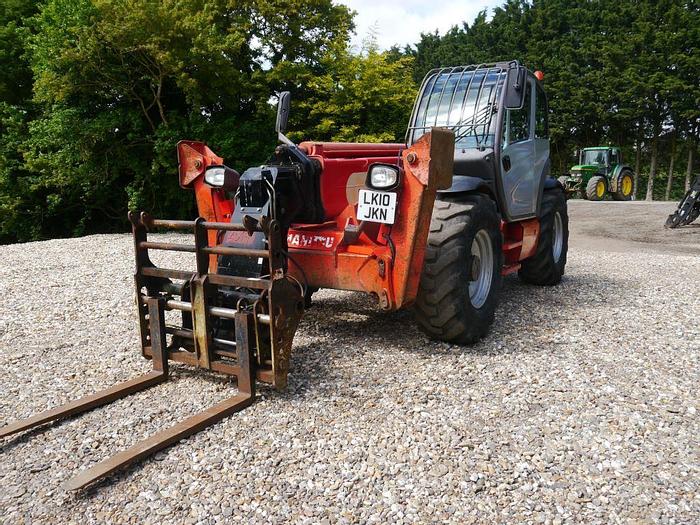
(625, 186)
(596, 188)
(546, 266)
(461, 278)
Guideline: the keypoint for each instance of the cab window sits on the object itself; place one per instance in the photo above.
(614, 157)
(541, 117)
(519, 119)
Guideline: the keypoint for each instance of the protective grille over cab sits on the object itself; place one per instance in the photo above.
(463, 99)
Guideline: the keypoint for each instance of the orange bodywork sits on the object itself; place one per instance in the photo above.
(212, 203)
(519, 242)
(380, 259)
(346, 254)
(384, 260)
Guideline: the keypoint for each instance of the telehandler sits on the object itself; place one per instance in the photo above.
(434, 223)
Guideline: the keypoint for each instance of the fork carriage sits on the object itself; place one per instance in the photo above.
(211, 302)
(250, 344)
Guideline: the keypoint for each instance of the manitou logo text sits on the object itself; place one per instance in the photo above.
(308, 240)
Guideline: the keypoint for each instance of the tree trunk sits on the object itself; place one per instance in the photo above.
(689, 170)
(652, 169)
(669, 184)
(638, 161)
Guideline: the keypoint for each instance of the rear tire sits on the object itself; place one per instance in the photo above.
(625, 186)
(596, 188)
(546, 266)
(461, 278)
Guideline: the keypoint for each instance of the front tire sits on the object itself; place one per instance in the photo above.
(461, 278)
(546, 266)
(596, 188)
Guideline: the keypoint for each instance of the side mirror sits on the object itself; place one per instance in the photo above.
(283, 117)
(282, 112)
(515, 88)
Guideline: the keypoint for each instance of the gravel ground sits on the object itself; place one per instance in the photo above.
(580, 406)
(633, 226)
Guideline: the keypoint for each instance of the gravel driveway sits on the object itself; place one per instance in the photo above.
(580, 406)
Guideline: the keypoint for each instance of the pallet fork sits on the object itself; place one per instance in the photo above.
(252, 340)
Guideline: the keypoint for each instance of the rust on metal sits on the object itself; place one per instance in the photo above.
(276, 300)
(261, 329)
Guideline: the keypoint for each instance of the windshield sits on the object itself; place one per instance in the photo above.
(596, 157)
(463, 99)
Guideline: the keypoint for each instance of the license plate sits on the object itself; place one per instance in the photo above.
(376, 206)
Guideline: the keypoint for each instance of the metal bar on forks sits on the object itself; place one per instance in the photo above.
(103, 397)
(86, 403)
(191, 425)
(161, 440)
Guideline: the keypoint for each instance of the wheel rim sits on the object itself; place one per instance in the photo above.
(558, 237)
(626, 185)
(481, 271)
(600, 189)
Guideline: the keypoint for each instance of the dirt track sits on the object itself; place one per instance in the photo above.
(625, 227)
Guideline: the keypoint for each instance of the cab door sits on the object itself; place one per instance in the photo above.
(518, 171)
(542, 163)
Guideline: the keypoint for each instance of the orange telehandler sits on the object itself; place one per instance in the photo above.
(433, 223)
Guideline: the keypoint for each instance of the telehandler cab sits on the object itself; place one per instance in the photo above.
(434, 223)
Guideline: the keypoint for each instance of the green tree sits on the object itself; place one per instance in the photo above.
(118, 82)
(364, 97)
(15, 111)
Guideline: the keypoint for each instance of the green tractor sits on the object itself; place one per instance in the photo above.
(600, 171)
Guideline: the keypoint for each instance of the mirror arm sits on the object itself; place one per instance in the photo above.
(283, 138)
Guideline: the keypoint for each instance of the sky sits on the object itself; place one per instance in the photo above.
(402, 21)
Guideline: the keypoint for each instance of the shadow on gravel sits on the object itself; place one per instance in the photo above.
(26, 436)
(591, 288)
(354, 316)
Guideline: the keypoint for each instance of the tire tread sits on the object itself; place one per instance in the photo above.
(439, 308)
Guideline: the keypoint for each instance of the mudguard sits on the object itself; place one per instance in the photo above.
(465, 183)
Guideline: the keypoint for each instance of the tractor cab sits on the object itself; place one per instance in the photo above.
(598, 160)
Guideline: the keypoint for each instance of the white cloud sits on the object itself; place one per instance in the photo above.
(402, 21)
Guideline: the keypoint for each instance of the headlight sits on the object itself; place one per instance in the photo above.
(215, 175)
(222, 177)
(382, 176)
